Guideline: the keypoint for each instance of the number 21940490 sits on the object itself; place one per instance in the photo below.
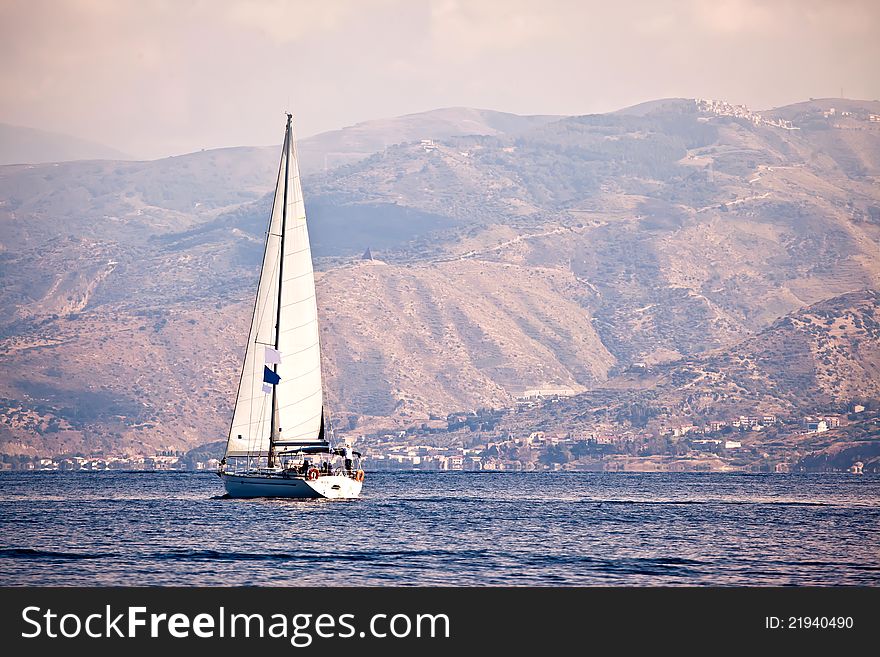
(808, 622)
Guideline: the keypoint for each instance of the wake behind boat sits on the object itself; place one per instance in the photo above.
(277, 445)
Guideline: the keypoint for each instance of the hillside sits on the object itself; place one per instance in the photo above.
(543, 253)
(448, 335)
(821, 359)
(20, 145)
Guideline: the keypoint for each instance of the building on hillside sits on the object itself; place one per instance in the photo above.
(535, 438)
(816, 426)
(545, 393)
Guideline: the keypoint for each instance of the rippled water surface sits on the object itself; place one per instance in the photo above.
(555, 529)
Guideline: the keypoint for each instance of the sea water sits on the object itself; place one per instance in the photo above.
(450, 529)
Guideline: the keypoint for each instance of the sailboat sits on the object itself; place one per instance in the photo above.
(278, 443)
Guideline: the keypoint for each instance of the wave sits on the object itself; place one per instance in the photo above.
(599, 561)
(217, 555)
(372, 555)
(593, 500)
(29, 553)
(755, 502)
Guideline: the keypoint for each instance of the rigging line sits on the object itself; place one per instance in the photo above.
(254, 376)
(253, 398)
(268, 301)
(260, 439)
(257, 363)
(269, 280)
(252, 436)
(297, 189)
(259, 315)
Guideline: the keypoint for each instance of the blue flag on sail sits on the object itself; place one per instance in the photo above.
(270, 377)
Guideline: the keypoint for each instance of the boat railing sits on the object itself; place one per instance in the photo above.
(258, 466)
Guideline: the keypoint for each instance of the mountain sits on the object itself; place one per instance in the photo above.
(657, 106)
(543, 254)
(354, 143)
(687, 229)
(20, 145)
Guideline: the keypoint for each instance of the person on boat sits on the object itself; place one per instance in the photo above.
(347, 455)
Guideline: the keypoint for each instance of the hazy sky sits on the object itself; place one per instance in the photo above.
(158, 77)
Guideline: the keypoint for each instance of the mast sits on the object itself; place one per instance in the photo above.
(274, 427)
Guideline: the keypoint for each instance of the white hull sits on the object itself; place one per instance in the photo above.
(328, 486)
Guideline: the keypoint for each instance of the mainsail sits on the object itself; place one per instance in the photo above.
(296, 401)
